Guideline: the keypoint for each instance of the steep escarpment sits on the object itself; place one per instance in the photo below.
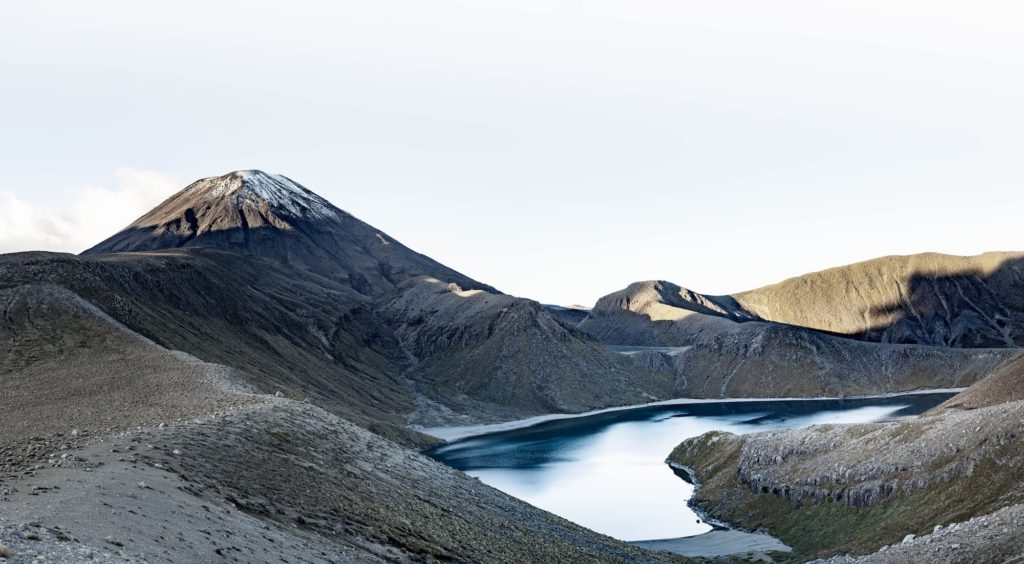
(271, 216)
(855, 488)
(718, 350)
(501, 350)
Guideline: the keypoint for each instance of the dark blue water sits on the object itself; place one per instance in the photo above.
(607, 471)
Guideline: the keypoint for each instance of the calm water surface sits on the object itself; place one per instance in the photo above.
(607, 471)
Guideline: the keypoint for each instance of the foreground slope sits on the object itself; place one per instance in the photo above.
(272, 216)
(718, 349)
(856, 488)
(289, 331)
(68, 365)
(114, 448)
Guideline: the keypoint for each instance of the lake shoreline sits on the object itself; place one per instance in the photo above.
(458, 433)
(718, 543)
(574, 465)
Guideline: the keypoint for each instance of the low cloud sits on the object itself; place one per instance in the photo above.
(89, 214)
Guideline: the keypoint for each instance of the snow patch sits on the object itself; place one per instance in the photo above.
(279, 192)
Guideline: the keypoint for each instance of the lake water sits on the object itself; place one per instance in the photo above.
(607, 471)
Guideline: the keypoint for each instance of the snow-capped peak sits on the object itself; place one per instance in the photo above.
(255, 187)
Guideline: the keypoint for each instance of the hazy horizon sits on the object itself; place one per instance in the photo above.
(557, 151)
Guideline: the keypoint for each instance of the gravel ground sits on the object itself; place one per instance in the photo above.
(998, 537)
(278, 481)
(35, 543)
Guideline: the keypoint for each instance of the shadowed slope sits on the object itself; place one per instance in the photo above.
(930, 299)
(271, 216)
(509, 351)
(721, 351)
(66, 364)
(170, 461)
(288, 330)
(1004, 384)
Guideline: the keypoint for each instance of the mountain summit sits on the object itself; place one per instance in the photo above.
(272, 216)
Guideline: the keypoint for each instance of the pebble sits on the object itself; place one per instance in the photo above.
(909, 539)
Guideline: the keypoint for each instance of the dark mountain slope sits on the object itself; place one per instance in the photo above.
(422, 355)
(271, 216)
(65, 364)
(569, 315)
(1004, 384)
(114, 448)
(501, 350)
(289, 330)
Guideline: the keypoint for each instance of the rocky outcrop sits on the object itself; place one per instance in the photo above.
(861, 486)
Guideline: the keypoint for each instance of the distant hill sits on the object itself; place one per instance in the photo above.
(723, 350)
(926, 299)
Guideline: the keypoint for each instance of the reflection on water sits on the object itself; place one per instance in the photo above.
(607, 471)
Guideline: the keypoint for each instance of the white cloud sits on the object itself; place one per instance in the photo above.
(89, 214)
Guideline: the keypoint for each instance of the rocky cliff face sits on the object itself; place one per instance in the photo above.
(855, 488)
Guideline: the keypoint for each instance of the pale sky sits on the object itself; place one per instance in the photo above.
(556, 150)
